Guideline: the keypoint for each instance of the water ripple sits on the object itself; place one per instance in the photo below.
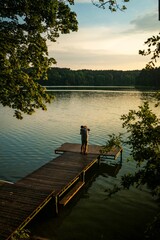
(28, 144)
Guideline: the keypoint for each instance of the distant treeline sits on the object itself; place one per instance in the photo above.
(68, 77)
(148, 78)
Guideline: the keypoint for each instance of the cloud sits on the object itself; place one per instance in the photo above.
(99, 48)
(106, 41)
(103, 40)
(92, 60)
(147, 22)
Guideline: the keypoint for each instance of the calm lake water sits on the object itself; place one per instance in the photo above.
(28, 144)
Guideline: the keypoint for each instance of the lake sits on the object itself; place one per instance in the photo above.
(30, 143)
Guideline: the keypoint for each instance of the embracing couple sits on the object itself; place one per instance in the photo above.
(84, 131)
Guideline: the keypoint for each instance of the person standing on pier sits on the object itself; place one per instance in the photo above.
(84, 131)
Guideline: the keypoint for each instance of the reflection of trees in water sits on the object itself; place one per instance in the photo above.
(147, 96)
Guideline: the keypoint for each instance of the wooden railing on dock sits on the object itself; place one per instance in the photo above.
(71, 193)
(59, 179)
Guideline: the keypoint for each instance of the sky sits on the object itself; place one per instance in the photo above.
(106, 40)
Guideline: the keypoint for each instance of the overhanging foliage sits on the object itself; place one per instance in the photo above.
(25, 27)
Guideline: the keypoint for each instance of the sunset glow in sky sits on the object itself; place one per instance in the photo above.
(107, 40)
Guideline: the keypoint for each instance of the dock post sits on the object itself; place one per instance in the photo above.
(56, 204)
(83, 176)
(99, 159)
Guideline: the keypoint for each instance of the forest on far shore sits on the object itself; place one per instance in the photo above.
(149, 78)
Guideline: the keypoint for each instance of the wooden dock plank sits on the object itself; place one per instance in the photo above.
(19, 202)
(63, 169)
(92, 149)
(17, 208)
(75, 147)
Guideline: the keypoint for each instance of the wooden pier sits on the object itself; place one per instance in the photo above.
(58, 180)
